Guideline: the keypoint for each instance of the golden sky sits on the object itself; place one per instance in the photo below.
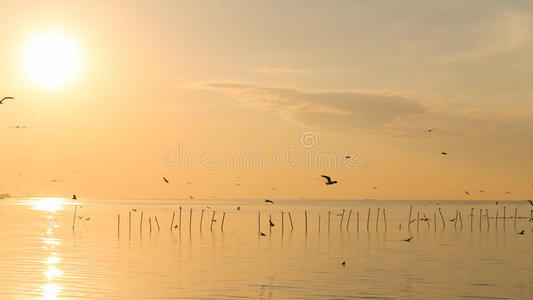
(218, 79)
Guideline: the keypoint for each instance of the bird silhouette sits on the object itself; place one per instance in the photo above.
(467, 193)
(175, 226)
(262, 234)
(430, 130)
(343, 263)
(165, 179)
(238, 208)
(444, 153)
(74, 197)
(134, 210)
(329, 181)
(522, 232)
(6, 98)
(269, 201)
(347, 157)
(408, 240)
(18, 126)
(530, 202)
(191, 197)
(375, 187)
(270, 223)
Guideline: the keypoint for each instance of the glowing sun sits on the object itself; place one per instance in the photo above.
(51, 60)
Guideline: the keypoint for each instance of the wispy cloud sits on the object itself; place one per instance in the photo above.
(386, 111)
(282, 71)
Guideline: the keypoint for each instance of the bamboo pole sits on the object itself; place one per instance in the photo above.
(141, 223)
(434, 221)
(129, 222)
(118, 224)
(190, 220)
(471, 219)
(318, 223)
(515, 212)
(488, 222)
(455, 220)
(342, 219)
(290, 219)
(212, 220)
(368, 221)
(157, 223)
(377, 220)
(282, 222)
(150, 223)
(504, 218)
(461, 220)
(259, 222)
(442, 218)
(358, 221)
(172, 222)
(348, 221)
(270, 222)
(305, 221)
(385, 219)
(329, 220)
(201, 219)
(417, 220)
(409, 220)
(223, 218)
(74, 219)
(496, 220)
(179, 225)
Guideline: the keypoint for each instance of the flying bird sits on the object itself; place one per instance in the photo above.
(375, 187)
(74, 197)
(270, 223)
(238, 208)
(408, 240)
(134, 210)
(343, 263)
(165, 179)
(18, 126)
(269, 201)
(467, 193)
(481, 191)
(430, 130)
(347, 157)
(262, 234)
(328, 182)
(530, 202)
(444, 153)
(522, 232)
(6, 98)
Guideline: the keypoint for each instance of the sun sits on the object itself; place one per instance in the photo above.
(51, 60)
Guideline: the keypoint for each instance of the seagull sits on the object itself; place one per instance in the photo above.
(165, 179)
(343, 263)
(452, 220)
(467, 193)
(444, 153)
(328, 182)
(269, 201)
(430, 130)
(262, 234)
(74, 197)
(238, 208)
(530, 202)
(175, 226)
(347, 157)
(270, 223)
(408, 240)
(134, 210)
(522, 232)
(87, 219)
(6, 98)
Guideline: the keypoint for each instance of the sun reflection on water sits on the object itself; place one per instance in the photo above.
(47, 204)
(50, 291)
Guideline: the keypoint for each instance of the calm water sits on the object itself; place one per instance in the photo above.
(42, 258)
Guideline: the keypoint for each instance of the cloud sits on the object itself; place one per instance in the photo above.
(338, 109)
(281, 70)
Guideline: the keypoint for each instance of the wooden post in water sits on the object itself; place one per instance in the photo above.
(409, 220)
(150, 223)
(461, 220)
(118, 224)
(496, 220)
(488, 222)
(471, 219)
(385, 219)
(377, 220)
(515, 212)
(357, 221)
(172, 222)
(179, 225)
(290, 219)
(442, 218)
(417, 219)
(480, 218)
(190, 220)
(129, 223)
(318, 223)
(212, 220)
(504, 219)
(342, 219)
(270, 222)
(305, 221)
(74, 219)
(455, 220)
(259, 223)
(223, 218)
(368, 221)
(201, 219)
(157, 223)
(348, 222)
(282, 222)
(141, 224)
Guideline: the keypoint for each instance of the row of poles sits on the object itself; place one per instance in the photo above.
(457, 220)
